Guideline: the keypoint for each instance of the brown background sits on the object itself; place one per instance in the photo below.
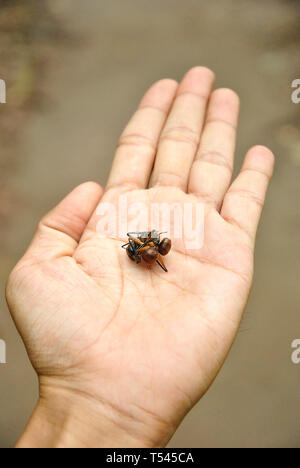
(107, 54)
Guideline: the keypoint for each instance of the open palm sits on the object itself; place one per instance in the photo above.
(141, 345)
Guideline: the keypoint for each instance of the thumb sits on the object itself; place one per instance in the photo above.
(59, 232)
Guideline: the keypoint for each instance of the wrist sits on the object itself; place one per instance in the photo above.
(63, 419)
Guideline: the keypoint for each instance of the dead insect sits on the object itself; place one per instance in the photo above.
(147, 246)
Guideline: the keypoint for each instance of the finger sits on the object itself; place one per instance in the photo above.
(244, 200)
(60, 230)
(211, 171)
(180, 137)
(137, 146)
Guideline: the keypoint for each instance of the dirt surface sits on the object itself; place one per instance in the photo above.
(116, 50)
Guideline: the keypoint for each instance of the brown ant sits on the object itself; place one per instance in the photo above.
(147, 246)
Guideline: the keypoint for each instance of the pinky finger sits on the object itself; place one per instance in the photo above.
(244, 201)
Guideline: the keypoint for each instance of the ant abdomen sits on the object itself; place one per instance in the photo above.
(150, 255)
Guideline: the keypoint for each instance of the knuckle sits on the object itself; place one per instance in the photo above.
(216, 158)
(249, 195)
(182, 134)
(135, 139)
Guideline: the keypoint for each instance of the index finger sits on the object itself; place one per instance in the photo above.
(137, 146)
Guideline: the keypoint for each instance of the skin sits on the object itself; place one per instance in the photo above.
(124, 351)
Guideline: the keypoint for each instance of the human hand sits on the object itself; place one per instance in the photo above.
(123, 351)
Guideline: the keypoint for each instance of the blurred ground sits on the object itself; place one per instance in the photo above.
(112, 51)
(30, 37)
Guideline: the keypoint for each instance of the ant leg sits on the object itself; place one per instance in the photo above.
(138, 259)
(134, 239)
(145, 243)
(143, 248)
(161, 263)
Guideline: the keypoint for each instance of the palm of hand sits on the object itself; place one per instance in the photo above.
(157, 339)
(142, 342)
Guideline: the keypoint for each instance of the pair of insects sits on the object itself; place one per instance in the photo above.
(147, 246)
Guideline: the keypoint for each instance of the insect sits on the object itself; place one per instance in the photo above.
(147, 246)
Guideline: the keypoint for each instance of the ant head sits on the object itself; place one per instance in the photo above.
(165, 246)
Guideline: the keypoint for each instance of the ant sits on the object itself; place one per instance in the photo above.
(147, 246)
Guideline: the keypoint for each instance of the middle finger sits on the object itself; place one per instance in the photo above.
(180, 137)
